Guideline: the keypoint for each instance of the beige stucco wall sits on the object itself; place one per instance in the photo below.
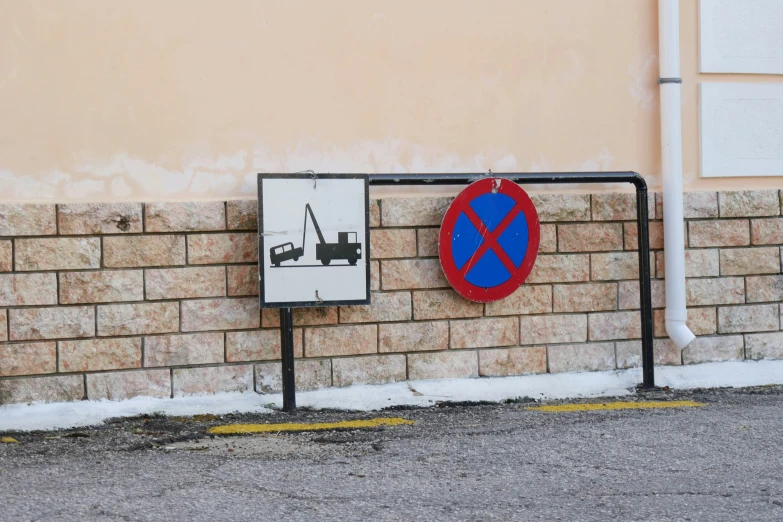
(116, 100)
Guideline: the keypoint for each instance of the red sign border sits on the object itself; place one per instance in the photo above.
(464, 288)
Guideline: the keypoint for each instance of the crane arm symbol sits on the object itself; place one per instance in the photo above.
(315, 224)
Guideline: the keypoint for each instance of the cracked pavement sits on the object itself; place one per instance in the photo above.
(458, 462)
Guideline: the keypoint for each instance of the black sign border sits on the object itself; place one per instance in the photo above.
(311, 304)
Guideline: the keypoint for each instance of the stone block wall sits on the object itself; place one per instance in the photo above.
(115, 300)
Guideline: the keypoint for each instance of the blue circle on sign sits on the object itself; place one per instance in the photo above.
(489, 271)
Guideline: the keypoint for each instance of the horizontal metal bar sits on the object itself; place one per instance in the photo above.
(547, 177)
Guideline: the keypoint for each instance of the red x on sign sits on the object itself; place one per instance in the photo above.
(489, 240)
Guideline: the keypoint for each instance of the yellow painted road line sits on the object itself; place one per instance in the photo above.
(236, 429)
(631, 405)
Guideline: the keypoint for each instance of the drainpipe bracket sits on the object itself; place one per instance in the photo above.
(661, 81)
(676, 314)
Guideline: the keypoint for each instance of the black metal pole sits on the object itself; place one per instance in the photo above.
(645, 291)
(287, 354)
(542, 178)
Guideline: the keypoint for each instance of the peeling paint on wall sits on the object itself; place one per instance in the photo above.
(125, 177)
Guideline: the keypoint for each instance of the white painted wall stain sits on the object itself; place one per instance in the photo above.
(644, 88)
(123, 177)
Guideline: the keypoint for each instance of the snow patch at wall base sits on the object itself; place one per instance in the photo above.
(29, 417)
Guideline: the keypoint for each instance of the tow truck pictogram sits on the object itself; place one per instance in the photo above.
(344, 249)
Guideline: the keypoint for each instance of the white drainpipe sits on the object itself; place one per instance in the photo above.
(671, 156)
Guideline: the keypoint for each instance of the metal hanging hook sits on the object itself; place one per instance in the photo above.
(312, 175)
(318, 298)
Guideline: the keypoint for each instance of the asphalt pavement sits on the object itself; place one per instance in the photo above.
(720, 461)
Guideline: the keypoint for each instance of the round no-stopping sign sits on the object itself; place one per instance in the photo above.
(489, 240)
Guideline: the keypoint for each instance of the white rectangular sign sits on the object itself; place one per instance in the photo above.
(314, 240)
(741, 129)
(741, 36)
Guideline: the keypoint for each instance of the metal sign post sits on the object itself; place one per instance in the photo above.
(297, 268)
(287, 356)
